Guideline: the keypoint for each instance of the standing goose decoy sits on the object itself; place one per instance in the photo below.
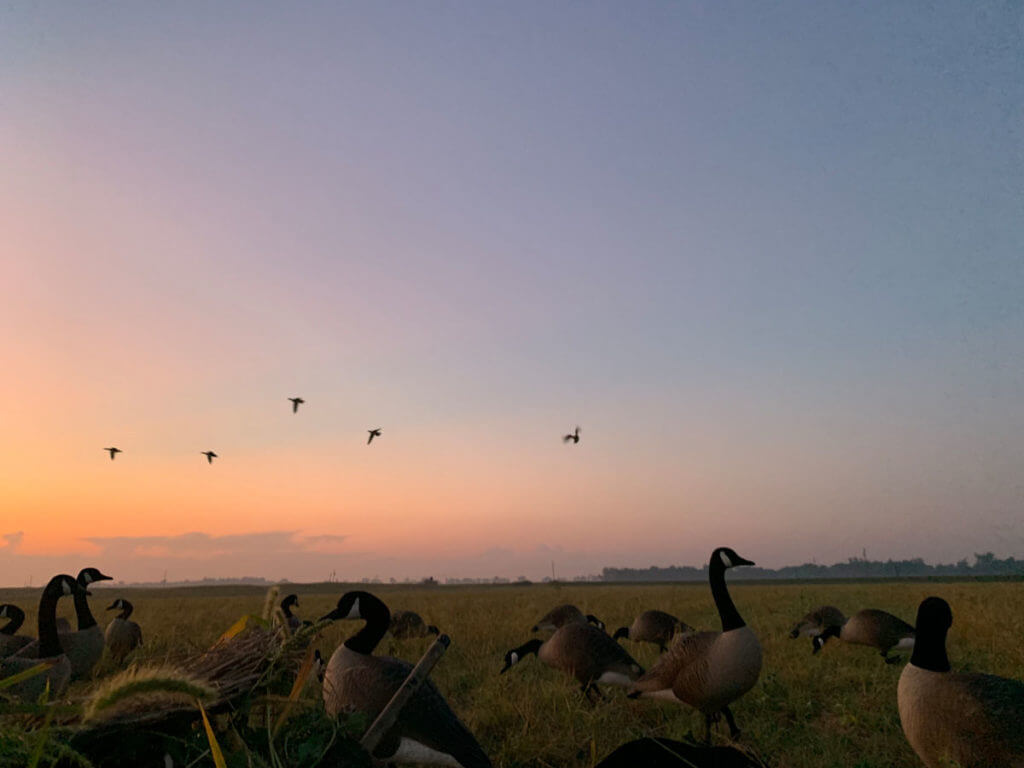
(655, 627)
(210, 455)
(84, 647)
(123, 635)
(9, 641)
(561, 615)
(427, 731)
(709, 670)
(970, 720)
(583, 651)
(296, 402)
(294, 622)
(574, 437)
(870, 627)
(373, 433)
(406, 624)
(47, 648)
(113, 452)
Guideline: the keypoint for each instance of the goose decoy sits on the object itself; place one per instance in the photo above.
(950, 718)
(296, 402)
(9, 641)
(653, 626)
(583, 651)
(870, 627)
(47, 648)
(651, 752)
(123, 635)
(572, 436)
(406, 624)
(85, 646)
(709, 670)
(427, 730)
(373, 433)
(561, 615)
(294, 622)
(113, 452)
(210, 455)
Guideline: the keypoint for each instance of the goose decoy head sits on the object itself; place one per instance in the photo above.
(87, 576)
(934, 616)
(592, 619)
(516, 655)
(621, 632)
(726, 557)
(290, 600)
(117, 605)
(348, 607)
(62, 584)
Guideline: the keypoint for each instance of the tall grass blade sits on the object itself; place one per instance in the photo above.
(218, 756)
(25, 674)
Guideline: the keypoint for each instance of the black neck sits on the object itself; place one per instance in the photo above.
(930, 651)
(126, 610)
(17, 618)
(286, 607)
(731, 618)
(49, 642)
(378, 619)
(530, 646)
(85, 618)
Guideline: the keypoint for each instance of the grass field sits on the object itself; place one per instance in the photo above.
(836, 709)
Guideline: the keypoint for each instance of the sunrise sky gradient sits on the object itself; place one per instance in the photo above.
(771, 259)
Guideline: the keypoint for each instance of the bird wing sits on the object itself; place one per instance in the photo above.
(686, 657)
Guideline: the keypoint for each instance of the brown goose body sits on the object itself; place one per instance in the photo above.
(589, 655)
(561, 615)
(870, 627)
(405, 624)
(355, 680)
(122, 635)
(655, 627)
(969, 720)
(817, 621)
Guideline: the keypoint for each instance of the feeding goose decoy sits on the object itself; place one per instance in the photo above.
(84, 647)
(113, 452)
(561, 615)
(10, 642)
(373, 433)
(709, 670)
(355, 680)
(405, 624)
(871, 627)
(46, 649)
(296, 402)
(210, 455)
(655, 627)
(971, 720)
(574, 437)
(123, 635)
(583, 651)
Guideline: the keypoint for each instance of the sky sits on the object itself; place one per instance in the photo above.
(770, 258)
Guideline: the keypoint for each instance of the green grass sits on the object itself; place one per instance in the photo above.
(836, 709)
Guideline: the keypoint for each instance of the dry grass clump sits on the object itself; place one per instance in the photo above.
(145, 689)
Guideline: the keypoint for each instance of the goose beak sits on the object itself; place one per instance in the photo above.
(112, 606)
(505, 669)
(744, 561)
(332, 616)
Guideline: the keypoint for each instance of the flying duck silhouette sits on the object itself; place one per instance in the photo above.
(574, 436)
(296, 402)
(210, 455)
(373, 433)
(113, 452)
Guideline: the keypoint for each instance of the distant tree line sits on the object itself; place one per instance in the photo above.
(986, 564)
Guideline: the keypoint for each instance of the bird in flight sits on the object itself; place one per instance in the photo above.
(373, 433)
(210, 455)
(574, 436)
(296, 402)
(113, 452)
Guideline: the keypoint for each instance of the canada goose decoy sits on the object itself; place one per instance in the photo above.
(373, 433)
(294, 622)
(9, 641)
(583, 651)
(572, 436)
(870, 627)
(47, 648)
(709, 670)
(296, 402)
(406, 624)
(84, 648)
(123, 635)
(210, 455)
(355, 680)
(113, 452)
(655, 627)
(971, 720)
(651, 752)
(561, 615)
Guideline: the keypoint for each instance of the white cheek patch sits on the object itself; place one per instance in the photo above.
(906, 644)
(3, 612)
(65, 587)
(353, 612)
(725, 559)
(87, 578)
(513, 658)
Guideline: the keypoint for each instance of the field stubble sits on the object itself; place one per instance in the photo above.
(833, 710)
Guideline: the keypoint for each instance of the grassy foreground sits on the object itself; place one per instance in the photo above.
(837, 709)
